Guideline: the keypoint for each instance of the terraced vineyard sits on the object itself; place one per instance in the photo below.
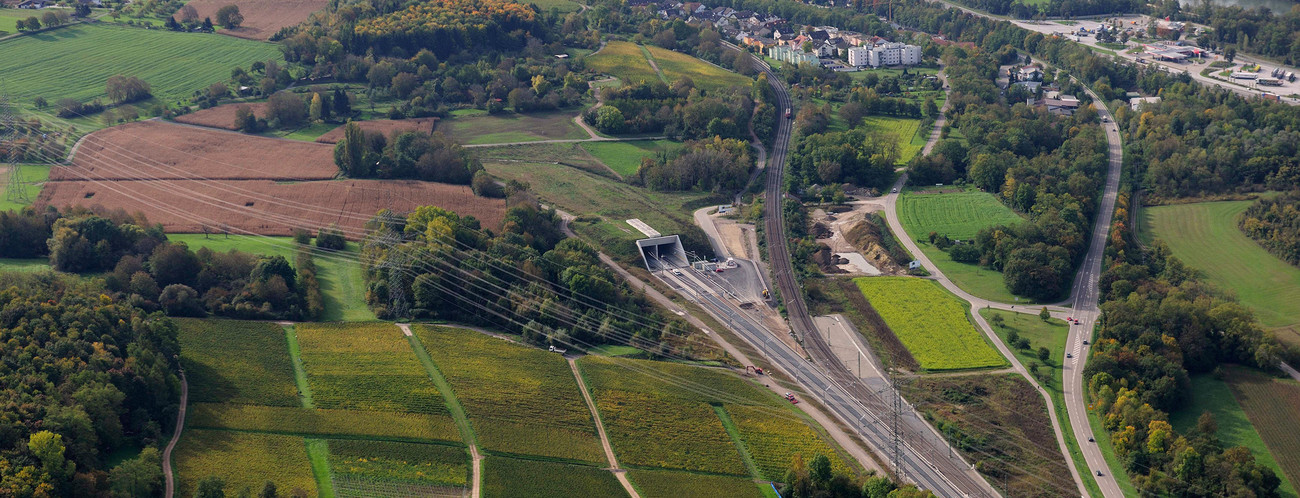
(366, 367)
(232, 361)
(930, 322)
(424, 469)
(774, 441)
(519, 399)
(323, 422)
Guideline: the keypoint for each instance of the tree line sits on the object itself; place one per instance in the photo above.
(680, 111)
(411, 154)
(1275, 224)
(718, 165)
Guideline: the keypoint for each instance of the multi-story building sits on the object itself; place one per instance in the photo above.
(859, 56)
(792, 55)
(894, 54)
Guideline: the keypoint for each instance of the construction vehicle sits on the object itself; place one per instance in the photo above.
(756, 370)
(767, 294)
(554, 349)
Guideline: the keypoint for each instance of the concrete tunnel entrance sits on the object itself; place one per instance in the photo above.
(662, 253)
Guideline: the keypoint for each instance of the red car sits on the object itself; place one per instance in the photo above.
(791, 398)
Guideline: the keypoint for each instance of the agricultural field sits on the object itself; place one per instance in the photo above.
(625, 157)
(1205, 236)
(623, 60)
(519, 399)
(774, 441)
(381, 464)
(261, 19)
(476, 128)
(676, 65)
(76, 61)
(603, 203)
(33, 178)
(1000, 423)
(368, 367)
(267, 207)
(652, 423)
(188, 153)
(235, 361)
(1273, 406)
(9, 20)
(323, 422)
(1220, 397)
(514, 478)
(243, 460)
(959, 215)
(385, 127)
(222, 116)
(930, 322)
(675, 484)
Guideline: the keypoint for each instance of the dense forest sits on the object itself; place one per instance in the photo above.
(84, 375)
(140, 266)
(1275, 224)
(717, 165)
(528, 279)
(1159, 325)
(679, 111)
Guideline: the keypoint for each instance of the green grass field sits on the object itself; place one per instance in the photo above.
(625, 157)
(676, 65)
(907, 132)
(563, 5)
(623, 60)
(9, 19)
(932, 323)
(1205, 236)
(75, 62)
(243, 461)
(234, 361)
(673, 484)
(515, 478)
(23, 265)
(958, 215)
(1235, 429)
(519, 399)
(1273, 406)
(33, 178)
(483, 128)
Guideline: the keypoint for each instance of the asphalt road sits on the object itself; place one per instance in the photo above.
(925, 463)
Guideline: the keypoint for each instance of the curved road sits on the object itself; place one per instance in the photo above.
(920, 454)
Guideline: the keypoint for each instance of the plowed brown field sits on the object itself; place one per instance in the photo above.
(266, 207)
(222, 116)
(384, 126)
(160, 150)
(262, 18)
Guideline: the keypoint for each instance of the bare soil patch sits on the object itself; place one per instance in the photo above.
(384, 126)
(267, 207)
(222, 116)
(149, 150)
(262, 18)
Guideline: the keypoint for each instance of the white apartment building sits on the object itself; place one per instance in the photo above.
(894, 54)
(859, 56)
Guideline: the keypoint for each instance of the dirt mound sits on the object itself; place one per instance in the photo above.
(262, 18)
(222, 116)
(867, 236)
(270, 208)
(159, 150)
(384, 126)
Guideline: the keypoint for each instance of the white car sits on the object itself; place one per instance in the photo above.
(895, 190)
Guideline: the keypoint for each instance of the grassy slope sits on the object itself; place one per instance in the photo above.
(625, 157)
(76, 61)
(23, 265)
(624, 60)
(1205, 236)
(510, 127)
(33, 178)
(932, 323)
(706, 76)
(1214, 395)
(563, 5)
(959, 216)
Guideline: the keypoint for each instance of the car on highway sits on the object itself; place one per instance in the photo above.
(719, 270)
(1085, 342)
(1069, 355)
(677, 272)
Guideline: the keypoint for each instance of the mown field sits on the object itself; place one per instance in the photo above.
(76, 61)
(625, 157)
(9, 20)
(1273, 406)
(479, 127)
(33, 177)
(959, 216)
(1235, 426)
(243, 460)
(706, 76)
(515, 478)
(930, 322)
(562, 5)
(623, 60)
(1205, 236)
(240, 362)
(520, 399)
(674, 484)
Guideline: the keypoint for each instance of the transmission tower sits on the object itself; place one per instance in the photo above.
(395, 262)
(15, 191)
(894, 429)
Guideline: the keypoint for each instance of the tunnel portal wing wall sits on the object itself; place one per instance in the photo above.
(661, 253)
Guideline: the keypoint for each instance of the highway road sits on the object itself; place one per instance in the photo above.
(928, 468)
